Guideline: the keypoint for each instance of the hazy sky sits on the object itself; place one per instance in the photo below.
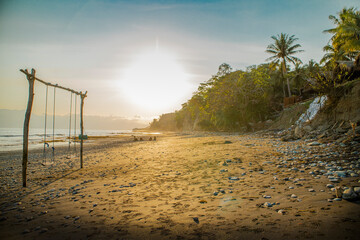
(144, 58)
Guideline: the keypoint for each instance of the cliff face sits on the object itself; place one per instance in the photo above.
(344, 110)
(338, 120)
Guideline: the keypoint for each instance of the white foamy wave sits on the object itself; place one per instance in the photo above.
(12, 138)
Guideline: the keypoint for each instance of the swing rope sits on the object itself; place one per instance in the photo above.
(45, 143)
(53, 147)
(70, 120)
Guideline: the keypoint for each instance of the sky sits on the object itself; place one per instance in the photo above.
(139, 59)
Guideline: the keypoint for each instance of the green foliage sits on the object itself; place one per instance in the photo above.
(228, 101)
(282, 51)
(333, 55)
(346, 34)
(344, 46)
(345, 40)
(326, 81)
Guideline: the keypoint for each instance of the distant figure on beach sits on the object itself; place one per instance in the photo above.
(141, 139)
(150, 139)
(135, 139)
(154, 138)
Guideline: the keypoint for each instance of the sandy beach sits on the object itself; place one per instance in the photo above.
(183, 186)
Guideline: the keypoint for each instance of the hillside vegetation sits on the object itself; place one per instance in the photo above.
(243, 99)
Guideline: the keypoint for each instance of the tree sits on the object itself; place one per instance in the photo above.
(283, 50)
(332, 56)
(224, 69)
(346, 34)
(298, 77)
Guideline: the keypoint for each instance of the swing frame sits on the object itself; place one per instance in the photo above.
(31, 80)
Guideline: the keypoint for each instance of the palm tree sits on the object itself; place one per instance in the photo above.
(332, 56)
(312, 67)
(283, 50)
(346, 34)
(298, 76)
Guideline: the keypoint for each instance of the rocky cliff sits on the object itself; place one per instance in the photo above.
(338, 120)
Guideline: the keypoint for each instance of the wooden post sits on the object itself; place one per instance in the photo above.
(31, 80)
(82, 96)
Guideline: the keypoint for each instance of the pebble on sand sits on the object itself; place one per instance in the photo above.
(281, 211)
(267, 204)
(234, 178)
(196, 219)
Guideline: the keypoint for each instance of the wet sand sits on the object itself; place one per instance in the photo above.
(182, 186)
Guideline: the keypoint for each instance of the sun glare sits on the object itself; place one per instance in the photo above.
(155, 81)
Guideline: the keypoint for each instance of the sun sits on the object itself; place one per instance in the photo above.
(155, 81)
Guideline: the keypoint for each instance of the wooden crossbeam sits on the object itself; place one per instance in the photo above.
(53, 85)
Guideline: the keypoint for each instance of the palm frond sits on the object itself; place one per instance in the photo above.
(283, 48)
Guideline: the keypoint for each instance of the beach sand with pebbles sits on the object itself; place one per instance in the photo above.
(183, 186)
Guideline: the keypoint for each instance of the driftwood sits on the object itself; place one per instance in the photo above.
(82, 127)
(31, 79)
(50, 84)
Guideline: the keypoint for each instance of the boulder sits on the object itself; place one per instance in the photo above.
(307, 128)
(349, 194)
(297, 132)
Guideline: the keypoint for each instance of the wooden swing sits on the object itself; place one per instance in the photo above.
(31, 80)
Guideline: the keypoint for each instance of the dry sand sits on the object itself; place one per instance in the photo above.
(178, 187)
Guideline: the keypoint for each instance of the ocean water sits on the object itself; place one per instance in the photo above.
(12, 138)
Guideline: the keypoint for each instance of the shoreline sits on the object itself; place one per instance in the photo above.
(62, 141)
(184, 186)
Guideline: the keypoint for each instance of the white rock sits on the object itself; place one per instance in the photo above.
(293, 196)
(267, 204)
(282, 211)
